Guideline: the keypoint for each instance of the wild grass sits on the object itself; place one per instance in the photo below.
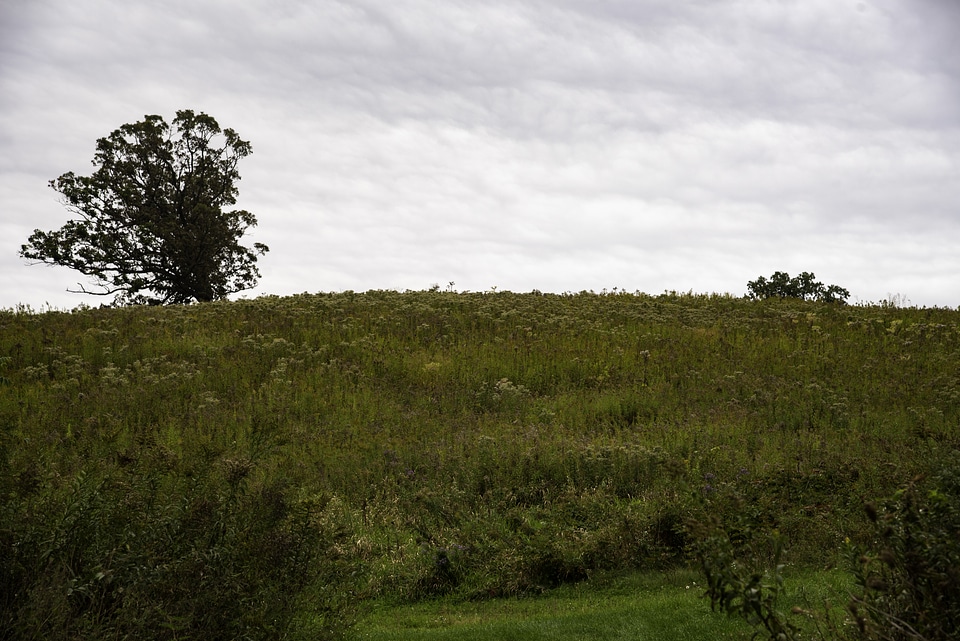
(406, 445)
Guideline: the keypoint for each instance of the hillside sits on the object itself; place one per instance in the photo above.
(215, 466)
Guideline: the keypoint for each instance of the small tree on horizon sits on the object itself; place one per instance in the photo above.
(151, 224)
(805, 287)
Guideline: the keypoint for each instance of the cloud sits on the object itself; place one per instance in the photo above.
(554, 145)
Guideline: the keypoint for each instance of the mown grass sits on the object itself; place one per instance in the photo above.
(411, 445)
(666, 606)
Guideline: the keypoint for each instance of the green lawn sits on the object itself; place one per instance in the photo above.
(638, 607)
(660, 607)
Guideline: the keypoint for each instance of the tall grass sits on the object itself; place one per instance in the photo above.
(417, 443)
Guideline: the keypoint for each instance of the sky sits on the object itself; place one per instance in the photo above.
(560, 146)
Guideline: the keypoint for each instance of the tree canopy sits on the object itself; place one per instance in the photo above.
(804, 286)
(151, 225)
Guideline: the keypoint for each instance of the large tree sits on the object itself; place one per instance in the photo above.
(151, 225)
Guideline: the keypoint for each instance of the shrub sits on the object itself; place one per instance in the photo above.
(141, 552)
(803, 286)
(909, 579)
(737, 582)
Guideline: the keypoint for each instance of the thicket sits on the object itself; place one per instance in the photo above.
(907, 576)
(259, 468)
(804, 287)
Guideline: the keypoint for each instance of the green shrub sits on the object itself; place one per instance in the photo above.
(909, 578)
(741, 581)
(144, 552)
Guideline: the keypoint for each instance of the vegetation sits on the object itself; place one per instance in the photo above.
(909, 578)
(906, 576)
(151, 226)
(264, 468)
(666, 606)
(803, 287)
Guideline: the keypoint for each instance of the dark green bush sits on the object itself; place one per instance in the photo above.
(909, 579)
(148, 551)
(803, 286)
(908, 576)
(740, 561)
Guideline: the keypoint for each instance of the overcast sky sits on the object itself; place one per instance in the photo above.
(519, 144)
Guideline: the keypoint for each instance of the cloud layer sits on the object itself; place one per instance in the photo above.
(559, 145)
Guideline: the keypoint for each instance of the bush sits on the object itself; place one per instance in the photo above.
(144, 552)
(908, 578)
(733, 569)
(803, 286)
(909, 581)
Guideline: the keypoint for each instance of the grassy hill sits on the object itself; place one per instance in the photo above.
(232, 468)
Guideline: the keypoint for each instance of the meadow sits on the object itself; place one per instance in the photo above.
(274, 468)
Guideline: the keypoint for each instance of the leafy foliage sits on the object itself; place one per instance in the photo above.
(803, 286)
(471, 444)
(153, 549)
(751, 594)
(909, 578)
(151, 227)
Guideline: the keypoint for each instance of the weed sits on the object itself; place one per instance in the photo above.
(256, 466)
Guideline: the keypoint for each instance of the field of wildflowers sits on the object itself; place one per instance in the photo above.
(244, 469)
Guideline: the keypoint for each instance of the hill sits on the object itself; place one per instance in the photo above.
(234, 467)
